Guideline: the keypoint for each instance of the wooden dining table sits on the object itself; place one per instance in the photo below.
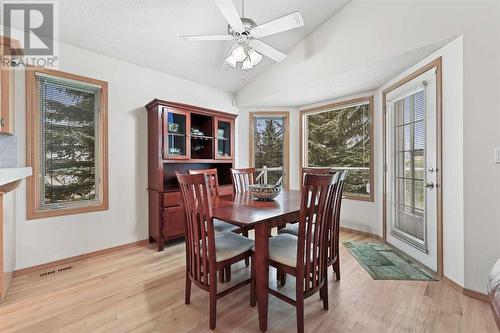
(243, 210)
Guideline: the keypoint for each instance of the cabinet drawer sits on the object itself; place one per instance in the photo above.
(172, 199)
(174, 220)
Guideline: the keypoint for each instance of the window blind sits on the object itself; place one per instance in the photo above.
(68, 142)
(409, 162)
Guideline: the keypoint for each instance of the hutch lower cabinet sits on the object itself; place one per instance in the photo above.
(183, 137)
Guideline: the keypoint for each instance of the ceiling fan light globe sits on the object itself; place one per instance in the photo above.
(255, 57)
(231, 61)
(247, 64)
(238, 53)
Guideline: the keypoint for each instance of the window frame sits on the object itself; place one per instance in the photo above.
(286, 140)
(33, 145)
(332, 107)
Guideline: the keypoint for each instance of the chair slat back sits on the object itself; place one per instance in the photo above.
(315, 171)
(200, 241)
(317, 201)
(334, 219)
(212, 179)
(242, 178)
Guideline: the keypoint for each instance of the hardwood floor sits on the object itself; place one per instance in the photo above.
(142, 290)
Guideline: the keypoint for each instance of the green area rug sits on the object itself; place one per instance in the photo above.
(384, 262)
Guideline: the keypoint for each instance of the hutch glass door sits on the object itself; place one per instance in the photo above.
(175, 125)
(223, 139)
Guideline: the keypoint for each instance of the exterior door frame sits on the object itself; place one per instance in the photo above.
(286, 140)
(439, 141)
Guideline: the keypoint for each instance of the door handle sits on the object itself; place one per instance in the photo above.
(429, 185)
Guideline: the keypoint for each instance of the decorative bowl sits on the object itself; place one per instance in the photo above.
(264, 192)
(173, 127)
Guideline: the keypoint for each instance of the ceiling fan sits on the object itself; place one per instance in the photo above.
(248, 49)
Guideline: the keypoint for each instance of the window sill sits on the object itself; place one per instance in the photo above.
(34, 215)
(368, 198)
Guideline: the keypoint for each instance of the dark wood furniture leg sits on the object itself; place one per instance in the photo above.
(253, 300)
(188, 289)
(262, 271)
(299, 307)
(160, 241)
(336, 268)
(244, 232)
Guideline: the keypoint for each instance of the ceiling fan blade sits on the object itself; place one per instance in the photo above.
(207, 37)
(268, 50)
(287, 22)
(231, 15)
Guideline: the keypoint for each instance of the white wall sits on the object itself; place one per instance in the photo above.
(365, 32)
(130, 88)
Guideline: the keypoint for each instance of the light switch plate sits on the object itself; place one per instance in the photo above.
(497, 155)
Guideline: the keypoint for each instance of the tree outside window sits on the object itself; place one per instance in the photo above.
(340, 137)
(268, 147)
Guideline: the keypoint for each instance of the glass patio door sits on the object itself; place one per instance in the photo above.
(410, 163)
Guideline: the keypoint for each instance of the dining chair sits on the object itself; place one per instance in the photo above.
(333, 231)
(219, 225)
(213, 186)
(333, 253)
(305, 256)
(207, 252)
(293, 228)
(242, 178)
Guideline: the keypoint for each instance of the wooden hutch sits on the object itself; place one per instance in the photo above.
(183, 137)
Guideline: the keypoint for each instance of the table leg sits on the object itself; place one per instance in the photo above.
(262, 271)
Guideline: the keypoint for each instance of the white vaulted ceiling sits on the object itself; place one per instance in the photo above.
(145, 32)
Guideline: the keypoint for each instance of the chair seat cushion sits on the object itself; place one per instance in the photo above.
(229, 245)
(291, 229)
(283, 249)
(221, 226)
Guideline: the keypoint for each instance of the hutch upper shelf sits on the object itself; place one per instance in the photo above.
(192, 133)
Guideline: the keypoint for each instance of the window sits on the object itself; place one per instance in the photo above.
(67, 138)
(269, 146)
(340, 136)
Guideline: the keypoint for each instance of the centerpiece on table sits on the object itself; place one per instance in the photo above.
(265, 192)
